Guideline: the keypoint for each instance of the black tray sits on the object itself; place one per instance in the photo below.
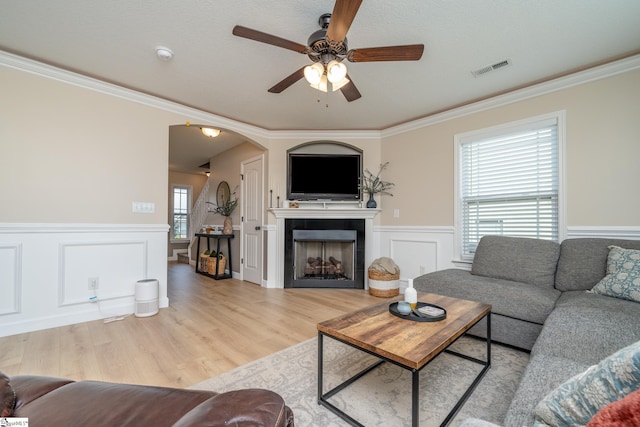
(393, 309)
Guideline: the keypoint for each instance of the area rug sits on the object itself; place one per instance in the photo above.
(382, 397)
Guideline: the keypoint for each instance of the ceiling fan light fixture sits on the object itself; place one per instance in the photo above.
(336, 71)
(340, 84)
(323, 85)
(210, 132)
(313, 73)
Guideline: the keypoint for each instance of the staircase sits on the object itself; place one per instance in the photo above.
(197, 217)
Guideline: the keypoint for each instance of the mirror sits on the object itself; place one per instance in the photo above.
(223, 194)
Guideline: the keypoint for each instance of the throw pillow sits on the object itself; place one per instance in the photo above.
(623, 275)
(623, 413)
(577, 400)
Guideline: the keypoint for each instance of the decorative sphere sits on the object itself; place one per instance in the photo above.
(404, 307)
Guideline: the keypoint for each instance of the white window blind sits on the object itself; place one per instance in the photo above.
(509, 184)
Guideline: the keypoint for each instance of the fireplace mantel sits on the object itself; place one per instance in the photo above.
(358, 213)
(334, 211)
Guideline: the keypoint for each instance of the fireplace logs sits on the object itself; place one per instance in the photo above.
(317, 266)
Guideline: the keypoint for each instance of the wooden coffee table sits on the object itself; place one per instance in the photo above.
(408, 344)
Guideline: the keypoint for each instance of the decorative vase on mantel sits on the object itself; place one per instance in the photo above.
(228, 226)
(371, 204)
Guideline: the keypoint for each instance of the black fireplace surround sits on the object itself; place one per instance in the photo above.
(329, 230)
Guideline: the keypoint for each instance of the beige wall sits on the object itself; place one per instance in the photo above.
(602, 156)
(71, 155)
(226, 167)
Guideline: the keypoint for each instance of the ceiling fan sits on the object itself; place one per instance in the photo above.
(327, 48)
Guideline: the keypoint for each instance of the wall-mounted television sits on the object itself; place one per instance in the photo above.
(324, 176)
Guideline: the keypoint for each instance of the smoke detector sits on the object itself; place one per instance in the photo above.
(164, 53)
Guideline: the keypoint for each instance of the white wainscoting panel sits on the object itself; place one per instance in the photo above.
(45, 271)
(81, 261)
(10, 281)
(416, 250)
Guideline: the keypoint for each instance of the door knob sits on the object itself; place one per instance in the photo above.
(257, 228)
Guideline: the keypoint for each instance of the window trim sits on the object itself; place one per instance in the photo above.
(189, 189)
(502, 129)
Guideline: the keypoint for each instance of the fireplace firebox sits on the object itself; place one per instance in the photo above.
(324, 253)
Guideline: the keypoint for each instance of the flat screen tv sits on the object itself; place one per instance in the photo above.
(324, 177)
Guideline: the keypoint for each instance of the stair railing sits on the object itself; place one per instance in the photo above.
(198, 215)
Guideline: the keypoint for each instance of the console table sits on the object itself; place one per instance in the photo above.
(217, 237)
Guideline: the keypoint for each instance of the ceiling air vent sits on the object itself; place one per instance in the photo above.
(488, 68)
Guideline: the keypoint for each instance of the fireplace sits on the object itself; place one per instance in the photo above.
(324, 253)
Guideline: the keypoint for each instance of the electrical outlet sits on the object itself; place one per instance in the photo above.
(93, 283)
(396, 213)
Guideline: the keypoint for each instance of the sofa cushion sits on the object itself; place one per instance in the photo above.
(513, 299)
(109, 404)
(583, 262)
(577, 400)
(623, 275)
(622, 413)
(542, 375)
(240, 408)
(587, 327)
(531, 261)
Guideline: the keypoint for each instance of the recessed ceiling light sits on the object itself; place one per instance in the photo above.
(164, 53)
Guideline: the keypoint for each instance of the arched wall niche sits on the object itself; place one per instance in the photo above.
(324, 147)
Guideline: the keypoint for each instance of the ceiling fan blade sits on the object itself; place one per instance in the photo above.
(259, 36)
(350, 91)
(410, 52)
(341, 18)
(288, 81)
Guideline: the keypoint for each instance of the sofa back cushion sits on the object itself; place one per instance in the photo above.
(583, 262)
(518, 259)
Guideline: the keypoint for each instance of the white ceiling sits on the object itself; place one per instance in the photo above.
(217, 72)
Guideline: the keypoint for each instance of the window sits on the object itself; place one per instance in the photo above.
(508, 182)
(181, 198)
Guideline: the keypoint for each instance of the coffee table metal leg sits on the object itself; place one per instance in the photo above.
(319, 368)
(415, 396)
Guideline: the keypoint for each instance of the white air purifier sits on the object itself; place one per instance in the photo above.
(146, 298)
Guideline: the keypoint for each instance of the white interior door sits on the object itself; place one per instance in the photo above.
(252, 213)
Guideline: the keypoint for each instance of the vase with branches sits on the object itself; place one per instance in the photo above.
(225, 209)
(373, 184)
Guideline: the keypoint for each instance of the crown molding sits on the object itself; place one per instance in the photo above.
(48, 71)
(592, 74)
(44, 70)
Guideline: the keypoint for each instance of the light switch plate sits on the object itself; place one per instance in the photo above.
(143, 207)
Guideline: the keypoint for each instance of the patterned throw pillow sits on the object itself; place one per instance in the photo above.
(623, 275)
(576, 401)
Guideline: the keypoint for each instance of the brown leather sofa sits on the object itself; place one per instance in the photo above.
(52, 402)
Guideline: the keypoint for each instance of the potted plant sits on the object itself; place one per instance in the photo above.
(373, 184)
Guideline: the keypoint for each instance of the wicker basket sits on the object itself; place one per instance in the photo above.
(383, 284)
(211, 265)
(204, 261)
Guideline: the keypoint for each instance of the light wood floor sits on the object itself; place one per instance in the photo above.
(209, 327)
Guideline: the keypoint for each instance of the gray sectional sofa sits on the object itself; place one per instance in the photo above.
(538, 290)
